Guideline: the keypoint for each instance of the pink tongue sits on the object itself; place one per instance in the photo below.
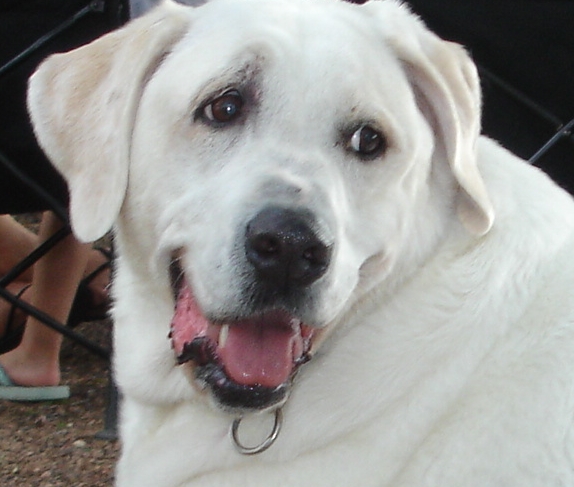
(261, 351)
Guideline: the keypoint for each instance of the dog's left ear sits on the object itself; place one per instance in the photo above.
(83, 105)
(447, 85)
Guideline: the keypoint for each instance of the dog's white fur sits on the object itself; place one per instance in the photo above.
(448, 352)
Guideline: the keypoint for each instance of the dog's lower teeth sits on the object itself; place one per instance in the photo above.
(295, 323)
(223, 334)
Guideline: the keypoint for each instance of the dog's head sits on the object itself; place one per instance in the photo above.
(269, 161)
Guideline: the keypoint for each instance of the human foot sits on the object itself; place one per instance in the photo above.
(30, 370)
(11, 391)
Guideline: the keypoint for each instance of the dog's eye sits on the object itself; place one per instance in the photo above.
(367, 142)
(225, 108)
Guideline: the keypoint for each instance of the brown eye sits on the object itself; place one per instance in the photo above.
(225, 108)
(366, 141)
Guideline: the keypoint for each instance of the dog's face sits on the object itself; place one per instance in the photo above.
(273, 170)
(277, 159)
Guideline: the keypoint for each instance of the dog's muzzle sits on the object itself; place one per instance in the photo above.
(249, 361)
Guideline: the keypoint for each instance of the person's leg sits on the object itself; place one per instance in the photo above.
(16, 242)
(56, 276)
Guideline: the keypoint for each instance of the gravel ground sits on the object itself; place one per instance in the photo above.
(54, 444)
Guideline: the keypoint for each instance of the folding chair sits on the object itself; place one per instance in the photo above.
(29, 31)
(525, 53)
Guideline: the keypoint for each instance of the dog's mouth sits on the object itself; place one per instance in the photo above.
(248, 364)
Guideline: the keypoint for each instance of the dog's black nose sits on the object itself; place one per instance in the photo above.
(284, 249)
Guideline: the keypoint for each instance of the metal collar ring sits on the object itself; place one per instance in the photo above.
(244, 450)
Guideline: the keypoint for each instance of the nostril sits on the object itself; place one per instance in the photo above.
(266, 245)
(317, 255)
(312, 263)
(264, 252)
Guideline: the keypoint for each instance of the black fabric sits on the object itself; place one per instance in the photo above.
(22, 22)
(529, 45)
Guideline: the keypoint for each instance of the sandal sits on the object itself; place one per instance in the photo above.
(14, 332)
(11, 391)
(83, 308)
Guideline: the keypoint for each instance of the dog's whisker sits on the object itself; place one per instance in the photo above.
(176, 274)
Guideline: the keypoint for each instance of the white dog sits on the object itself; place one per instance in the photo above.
(303, 182)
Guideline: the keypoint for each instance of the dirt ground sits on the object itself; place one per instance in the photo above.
(55, 444)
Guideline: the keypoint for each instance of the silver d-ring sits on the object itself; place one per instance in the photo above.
(244, 450)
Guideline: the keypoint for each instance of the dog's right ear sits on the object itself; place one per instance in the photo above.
(446, 84)
(83, 104)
